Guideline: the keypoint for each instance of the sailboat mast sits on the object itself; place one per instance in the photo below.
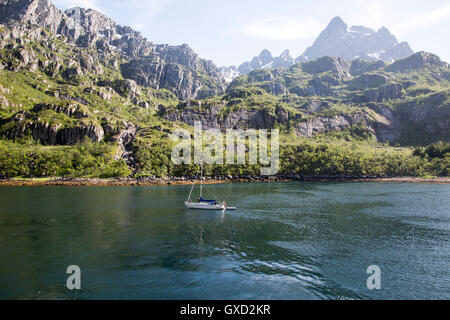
(201, 180)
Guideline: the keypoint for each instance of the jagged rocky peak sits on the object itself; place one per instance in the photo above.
(285, 60)
(265, 60)
(336, 25)
(356, 42)
(32, 11)
(182, 54)
(19, 13)
(101, 31)
(83, 26)
(96, 26)
(386, 38)
(177, 68)
(91, 20)
(265, 57)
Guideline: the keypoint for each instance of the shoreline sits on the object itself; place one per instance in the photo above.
(220, 180)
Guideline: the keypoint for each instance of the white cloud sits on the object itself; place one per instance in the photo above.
(423, 20)
(283, 28)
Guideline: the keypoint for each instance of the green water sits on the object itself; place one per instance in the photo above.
(285, 241)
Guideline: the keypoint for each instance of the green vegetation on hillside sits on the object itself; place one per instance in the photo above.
(69, 111)
(30, 160)
(323, 156)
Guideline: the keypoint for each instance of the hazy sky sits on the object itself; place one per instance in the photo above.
(230, 32)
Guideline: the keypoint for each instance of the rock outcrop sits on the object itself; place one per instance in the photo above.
(125, 141)
(337, 66)
(359, 66)
(51, 134)
(178, 69)
(51, 131)
(417, 61)
(212, 117)
(72, 110)
(323, 124)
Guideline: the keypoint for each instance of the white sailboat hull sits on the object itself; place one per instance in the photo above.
(204, 206)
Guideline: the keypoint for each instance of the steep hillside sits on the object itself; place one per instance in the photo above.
(83, 96)
(176, 68)
(406, 102)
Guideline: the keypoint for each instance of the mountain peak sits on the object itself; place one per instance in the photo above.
(336, 28)
(285, 60)
(356, 42)
(88, 28)
(265, 57)
(265, 52)
(384, 30)
(265, 60)
(285, 54)
(337, 23)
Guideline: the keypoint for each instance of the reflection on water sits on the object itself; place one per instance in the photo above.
(285, 241)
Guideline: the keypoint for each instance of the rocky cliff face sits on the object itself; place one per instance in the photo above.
(386, 124)
(212, 117)
(425, 119)
(51, 132)
(176, 68)
(357, 42)
(382, 123)
(325, 124)
(333, 95)
(38, 12)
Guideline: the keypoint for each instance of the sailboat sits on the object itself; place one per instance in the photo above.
(202, 203)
